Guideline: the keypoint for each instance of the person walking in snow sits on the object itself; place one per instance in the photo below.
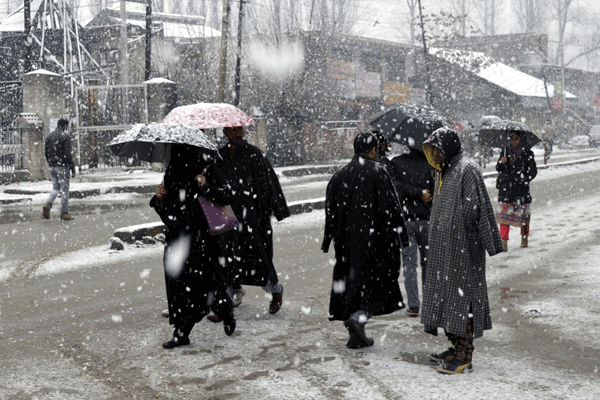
(364, 221)
(416, 182)
(195, 279)
(258, 195)
(461, 229)
(60, 161)
(516, 169)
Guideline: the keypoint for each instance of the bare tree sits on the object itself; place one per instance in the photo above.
(487, 12)
(462, 9)
(531, 14)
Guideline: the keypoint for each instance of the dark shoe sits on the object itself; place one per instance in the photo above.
(455, 366)
(357, 330)
(413, 312)
(229, 325)
(355, 343)
(165, 313)
(214, 318)
(226, 315)
(444, 356)
(276, 302)
(67, 217)
(46, 210)
(176, 342)
(524, 241)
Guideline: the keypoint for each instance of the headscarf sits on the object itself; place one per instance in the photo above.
(516, 151)
(185, 163)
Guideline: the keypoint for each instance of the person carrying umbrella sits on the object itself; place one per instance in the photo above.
(364, 220)
(516, 169)
(416, 183)
(461, 229)
(195, 279)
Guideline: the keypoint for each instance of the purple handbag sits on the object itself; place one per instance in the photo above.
(220, 218)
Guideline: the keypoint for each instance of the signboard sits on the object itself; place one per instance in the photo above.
(338, 69)
(396, 92)
(368, 84)
(557, 103)
(418, 95)
(558, 89)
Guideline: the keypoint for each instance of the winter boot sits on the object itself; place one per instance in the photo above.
(455, 366)
(46, 210)
(505, 244)
(357, 330)
(444, 356)
(276, 302)
(524, 241)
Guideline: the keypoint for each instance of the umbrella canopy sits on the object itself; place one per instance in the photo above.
(497, 134)
(151, 142)
(409, 124)
(208, 115)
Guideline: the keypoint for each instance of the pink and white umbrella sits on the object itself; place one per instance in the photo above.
(208, 115)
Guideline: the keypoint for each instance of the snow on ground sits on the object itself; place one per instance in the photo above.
(390, 369)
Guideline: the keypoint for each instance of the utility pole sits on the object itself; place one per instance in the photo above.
(148, 40)
(426, 54)
(238, 61)
(124, 60)
(27, 27)
(223, 63)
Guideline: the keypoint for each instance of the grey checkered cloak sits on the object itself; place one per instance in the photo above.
(462, 228)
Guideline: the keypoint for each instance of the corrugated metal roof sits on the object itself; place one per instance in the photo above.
(30, 118)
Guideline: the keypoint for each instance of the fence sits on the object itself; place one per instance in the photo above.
(11, 105)
(102, 113)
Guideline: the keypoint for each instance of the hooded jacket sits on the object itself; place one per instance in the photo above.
(462, 228)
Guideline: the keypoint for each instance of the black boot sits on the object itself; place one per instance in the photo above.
(357, 330)
(228, 321)
(181, 337)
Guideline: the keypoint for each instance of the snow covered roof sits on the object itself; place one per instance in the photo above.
(175, 26)
(498, 73)
(15, 22)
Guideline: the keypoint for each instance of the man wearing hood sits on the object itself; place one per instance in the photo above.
(364, 221)
(462, 228)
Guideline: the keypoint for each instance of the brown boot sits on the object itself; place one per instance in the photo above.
(276, 302)
(524, 241)
(214, 318)
(67, 217)
(46, 210)
(505, 244)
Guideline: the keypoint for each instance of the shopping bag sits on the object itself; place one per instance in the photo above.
(220, 218)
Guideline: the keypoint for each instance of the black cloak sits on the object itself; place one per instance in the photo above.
(258, 195)
(364, 220)
(195, 272)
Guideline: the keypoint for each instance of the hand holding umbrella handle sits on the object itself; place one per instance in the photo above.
(160, 193)
(200, 178)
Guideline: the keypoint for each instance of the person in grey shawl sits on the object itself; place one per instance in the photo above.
(462, 228)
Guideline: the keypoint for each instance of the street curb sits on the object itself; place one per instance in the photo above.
(137, 232)
(133, 233)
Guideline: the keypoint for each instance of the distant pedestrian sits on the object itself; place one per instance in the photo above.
(416, 183)
(60, 162)
(461, 229)
(195, 278)
(517, 168)
(258, 195)
(364, 221)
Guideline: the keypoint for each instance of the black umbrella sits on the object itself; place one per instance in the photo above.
(151, 142)
(409, 124)
(497, 134)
